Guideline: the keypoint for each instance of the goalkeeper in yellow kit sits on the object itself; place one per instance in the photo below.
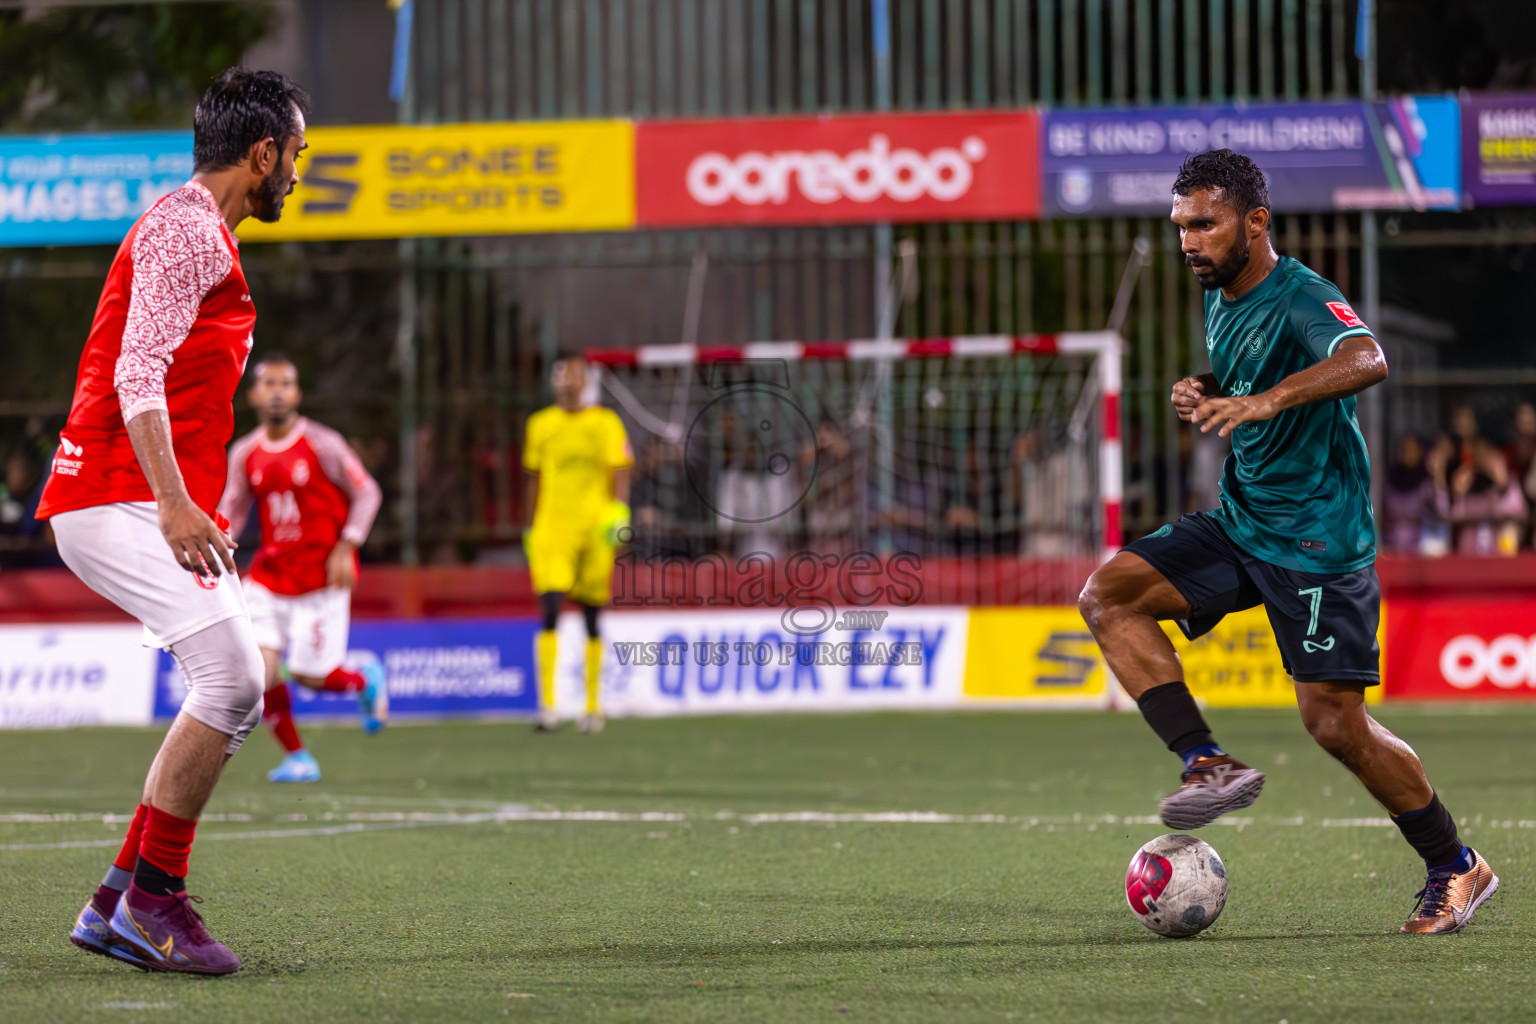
(578, 460)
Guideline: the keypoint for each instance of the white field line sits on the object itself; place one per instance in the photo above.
(380, 821)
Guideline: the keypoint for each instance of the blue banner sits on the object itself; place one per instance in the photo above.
(1318, 157)
(85, 189)
(434, 667)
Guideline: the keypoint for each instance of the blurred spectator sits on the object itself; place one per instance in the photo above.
(667, 520)
(910, 520)
(1052, 496)
(1483, 501)
(1410, 513)
(755, 503)
(24, 542)
(1521, 451)
(1464, 435)
(831, 507)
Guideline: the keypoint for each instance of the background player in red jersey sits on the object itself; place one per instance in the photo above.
(316, 503)
(140, 468)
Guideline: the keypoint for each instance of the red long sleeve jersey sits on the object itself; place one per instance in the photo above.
(311, 490)
(172, 332)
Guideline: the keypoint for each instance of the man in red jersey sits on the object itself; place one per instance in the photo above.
(316, 503)
(140, 469)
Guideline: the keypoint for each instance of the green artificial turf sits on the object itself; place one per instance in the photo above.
(449, 903)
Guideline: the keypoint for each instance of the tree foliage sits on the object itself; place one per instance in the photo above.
(124, 66)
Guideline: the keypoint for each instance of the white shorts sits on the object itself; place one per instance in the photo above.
(310, 629)
(117, 550)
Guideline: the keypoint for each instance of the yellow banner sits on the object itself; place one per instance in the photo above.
(1237, 664)
(459, 179)
(1033, 655)
(1047, 656)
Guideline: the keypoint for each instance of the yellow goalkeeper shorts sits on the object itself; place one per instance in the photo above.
(579, 566)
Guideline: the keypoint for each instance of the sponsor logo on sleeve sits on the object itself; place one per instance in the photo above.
(1346, 315)
(68, 461)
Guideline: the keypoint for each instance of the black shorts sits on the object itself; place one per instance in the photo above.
(1324, 623)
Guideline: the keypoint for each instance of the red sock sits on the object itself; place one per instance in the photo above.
(167, 842)
(344, 680)
(278, 714)
(128, 856)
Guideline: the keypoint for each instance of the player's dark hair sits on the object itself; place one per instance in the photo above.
(241, 108)
(273, 358)
(1238, 178)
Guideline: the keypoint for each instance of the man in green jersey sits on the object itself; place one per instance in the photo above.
(1294, 532)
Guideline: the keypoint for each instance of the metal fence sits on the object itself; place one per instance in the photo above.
(440, 417)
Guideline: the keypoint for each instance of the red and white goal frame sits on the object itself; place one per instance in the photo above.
(1104, 348)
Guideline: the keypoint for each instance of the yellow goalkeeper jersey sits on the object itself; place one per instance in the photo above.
(574, 453)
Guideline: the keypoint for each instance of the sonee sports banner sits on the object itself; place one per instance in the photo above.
(459, 179)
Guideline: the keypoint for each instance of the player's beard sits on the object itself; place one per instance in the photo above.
(270, 195)
(1225, 272)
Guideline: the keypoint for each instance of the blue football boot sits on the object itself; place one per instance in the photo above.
(299, 766)
(93, 934)
(373, 701)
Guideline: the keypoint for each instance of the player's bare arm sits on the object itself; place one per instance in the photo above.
(1356, 365)
(196, 541)
(621, 485)
(340, 569)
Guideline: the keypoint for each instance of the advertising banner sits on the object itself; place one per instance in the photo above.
(59, 676)
(85, 189)
(1498, 149)
(875, 167)
(1463, 649)
(408, 181)
(434, 667)
(1238, 665)
(1317, 156)
(1020, 656)
(683, 662)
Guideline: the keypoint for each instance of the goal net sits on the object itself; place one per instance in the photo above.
(992, 456)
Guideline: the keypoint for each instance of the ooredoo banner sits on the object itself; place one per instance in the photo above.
(901, 167)
(1462, 649)
(1498, 149)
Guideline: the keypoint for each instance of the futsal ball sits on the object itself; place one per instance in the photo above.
(1176, 885)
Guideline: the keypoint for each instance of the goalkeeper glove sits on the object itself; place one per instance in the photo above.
(615, 526)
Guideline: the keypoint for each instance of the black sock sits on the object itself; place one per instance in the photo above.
(1173, 715)
(1431, 832)
(156, 882)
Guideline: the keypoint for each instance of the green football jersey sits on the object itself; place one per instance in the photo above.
(1296, 490)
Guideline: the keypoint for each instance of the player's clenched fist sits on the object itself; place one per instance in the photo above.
(197, 542)
(1190, 392)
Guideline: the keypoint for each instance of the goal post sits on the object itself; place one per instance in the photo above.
(1012, 442)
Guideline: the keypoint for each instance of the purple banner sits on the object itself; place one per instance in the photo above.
(1318, 157)
(1498, 149)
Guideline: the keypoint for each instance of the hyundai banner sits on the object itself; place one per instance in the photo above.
(86, 189)
(1317, 156)
(898, 167)
(1498, 149)
(434, 668)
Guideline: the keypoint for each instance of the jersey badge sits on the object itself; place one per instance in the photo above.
(1346, 315)
(1255, 345)
(300, 472)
